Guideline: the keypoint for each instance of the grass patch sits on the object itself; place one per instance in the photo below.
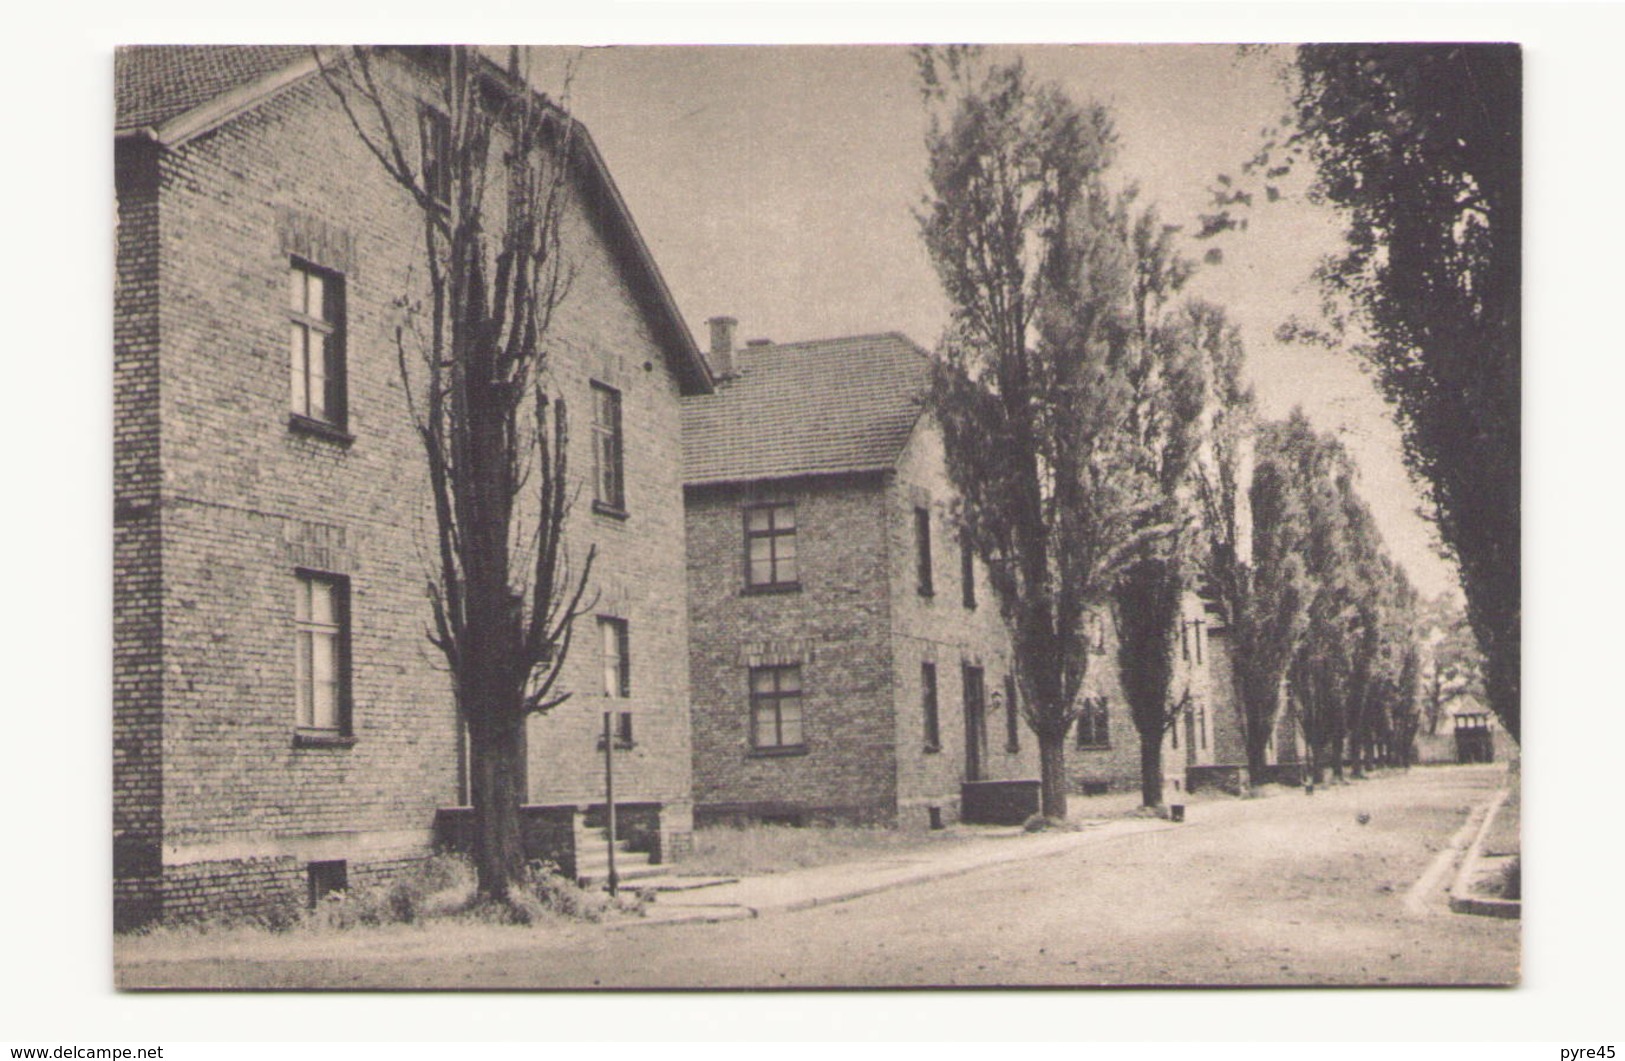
(439, 890)
(1512, 881)
(1503, 838)
(755, 849)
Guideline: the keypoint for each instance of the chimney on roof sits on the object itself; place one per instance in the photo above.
(721, 357)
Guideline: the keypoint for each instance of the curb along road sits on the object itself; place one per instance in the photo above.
(826, 885)
(1462, 901)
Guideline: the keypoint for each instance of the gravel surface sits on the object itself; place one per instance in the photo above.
(1287, 890)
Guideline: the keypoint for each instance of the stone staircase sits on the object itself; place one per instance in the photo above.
(592, 860)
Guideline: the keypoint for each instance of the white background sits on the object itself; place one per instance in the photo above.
(55, 944)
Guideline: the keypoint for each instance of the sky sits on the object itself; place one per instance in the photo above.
(777, 185)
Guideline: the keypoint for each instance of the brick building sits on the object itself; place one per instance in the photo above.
(848, 660)
(280, 721)
(1203, 748)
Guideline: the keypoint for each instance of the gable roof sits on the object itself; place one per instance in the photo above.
(171, 93)
(813, 408)
(154, 83)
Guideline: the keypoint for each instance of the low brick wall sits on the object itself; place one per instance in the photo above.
(275, 891)
(548, 833)
(998, 802)
(1281, 774)
(1231, 778)
(777, 812)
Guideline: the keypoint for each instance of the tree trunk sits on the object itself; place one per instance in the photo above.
(495, 792)
(1151, 770)
(1052, 774)
(1257, 739)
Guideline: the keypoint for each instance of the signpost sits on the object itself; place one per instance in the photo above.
(609, 797)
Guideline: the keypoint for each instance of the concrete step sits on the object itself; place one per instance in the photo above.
(598, 877)
(592, 862)
(674, 883)
(600, 859)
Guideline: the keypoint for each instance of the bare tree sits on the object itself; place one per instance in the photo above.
(488, 167)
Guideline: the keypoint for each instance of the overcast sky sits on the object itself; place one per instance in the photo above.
(776, 185)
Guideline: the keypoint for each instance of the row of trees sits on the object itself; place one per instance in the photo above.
(1419, 147)
(1107, 454)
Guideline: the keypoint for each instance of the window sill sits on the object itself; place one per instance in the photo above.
(620, 745)
(772, 587)
(777, 753)
(1012, 749)
(928, 594)
(932, 749)
(322, 740)
(611, 511)
(304, 425)
(1096, 747)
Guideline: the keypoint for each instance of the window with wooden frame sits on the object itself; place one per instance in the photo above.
(770, 547)
(775, 709)
(322, 658)
(623, 733)
(967, 571)
(609, 480)
(434, 129)
(922, 551)
(616, 638)
(1094, 723)
(928, 707)
(1012, 716)
(316, 347)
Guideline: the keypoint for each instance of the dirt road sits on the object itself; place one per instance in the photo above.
(1288, 890)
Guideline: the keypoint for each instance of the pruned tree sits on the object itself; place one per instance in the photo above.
(1167, 420)
(1249, 528)
(1148, 599)
(1267, 587)
(1032, 387)
(1337, 639)
(1391, 716)
(1404, 706)
(486, 163)
(1346, 671)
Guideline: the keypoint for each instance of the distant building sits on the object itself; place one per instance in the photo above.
(1202, 749)
(281, 725)
(848, 660)
(1469, 733)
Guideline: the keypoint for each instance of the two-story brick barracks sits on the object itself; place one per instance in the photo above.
(848, 661)
(281, 723)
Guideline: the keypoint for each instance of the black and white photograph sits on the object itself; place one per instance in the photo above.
(791, 517)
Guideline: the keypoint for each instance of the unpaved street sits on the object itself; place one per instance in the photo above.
(1287, 890)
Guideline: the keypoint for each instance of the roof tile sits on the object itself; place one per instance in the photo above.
(153, 83)
(812, 408)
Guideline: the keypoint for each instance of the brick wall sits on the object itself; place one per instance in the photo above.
(862, 630)
(1228, 741)
(245, 501)
(1115, 765)
(835, 626)
(137, 558)
(942, 630)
